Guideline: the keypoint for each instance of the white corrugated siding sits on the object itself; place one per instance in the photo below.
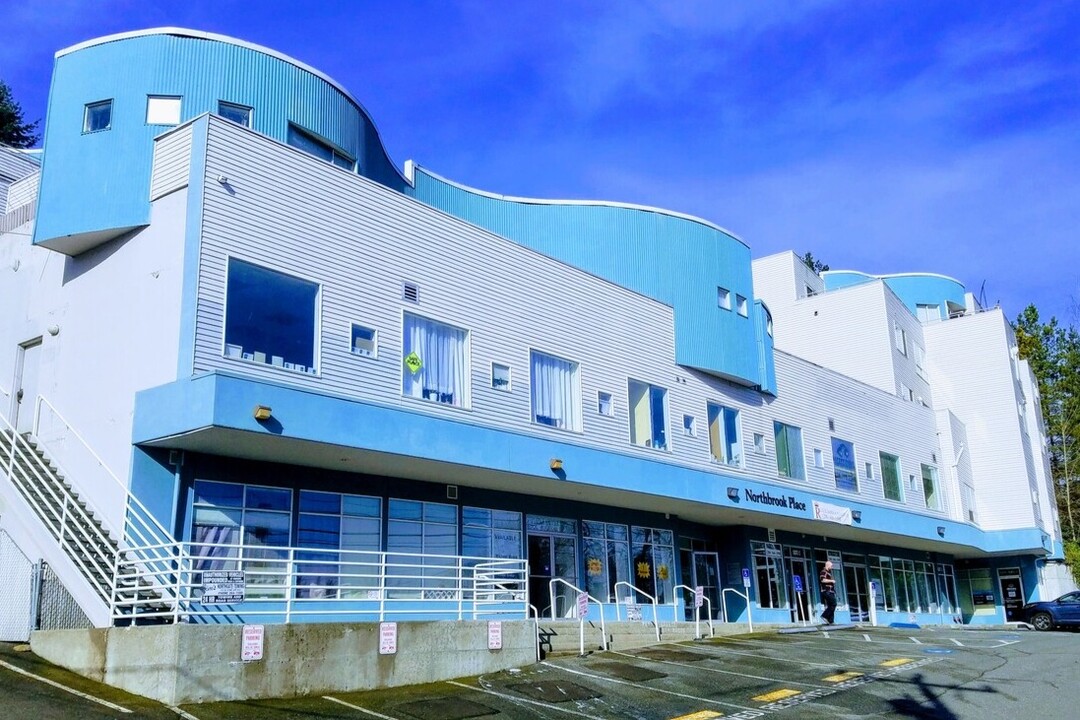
(172, 160)
(22, 192)
(360, 241)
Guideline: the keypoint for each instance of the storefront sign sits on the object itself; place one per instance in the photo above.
(252, 647)
(223, 586)
(832, 513)
(767, 498)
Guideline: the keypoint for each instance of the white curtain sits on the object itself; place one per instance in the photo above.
(556, 397)
(441, 350)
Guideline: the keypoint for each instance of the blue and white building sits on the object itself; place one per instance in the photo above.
(246, 340)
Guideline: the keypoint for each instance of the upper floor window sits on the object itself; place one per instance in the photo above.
(648, 415)
(500, 376)
(930, 487)
(239, 114)
(843, 458)
(556, 393)
(723, 298)
(310, 144)
(928, 313)
(270, 317)
(740, 305)
(901, 338)
(162, 110)
(890, 477)
(789, 451)
(435, 366)
(725, 445)
(97, 116)
(605, 404)
(363, 340)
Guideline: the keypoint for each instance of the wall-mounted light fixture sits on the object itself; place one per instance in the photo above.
(733, 494)
(556, 464)
(856, 515)
(263, 412)
(53, 330)
(941, 530)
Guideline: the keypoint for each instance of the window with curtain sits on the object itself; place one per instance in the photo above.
(434, 361)
(890, 477)
(556, 392)
(789, 458)
(725, 443)
(648, 415)
(843, 457)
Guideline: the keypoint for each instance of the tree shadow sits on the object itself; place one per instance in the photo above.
(926, 703)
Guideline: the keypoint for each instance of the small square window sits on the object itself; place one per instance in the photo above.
(759, 443)
(363, 341)
(98, 116)
(819, 458)
(605, 405)
(689, 425)
(723, 298)
(162, 110)
(500, 377)
(239, 114)
(869, 471)
(740, 305)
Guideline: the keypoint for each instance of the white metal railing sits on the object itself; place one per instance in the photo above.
(286, 583)
(697, 610)
(579, 593)
(746, 597)
(656, 616)
(531, 611)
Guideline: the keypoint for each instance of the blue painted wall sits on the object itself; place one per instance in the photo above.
(94, 182)
(912, 288)
(673, 259)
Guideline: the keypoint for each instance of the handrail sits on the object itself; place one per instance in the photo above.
(581, 619)
(697, 613)
(536, 626)
(745, 597)
(655, 614)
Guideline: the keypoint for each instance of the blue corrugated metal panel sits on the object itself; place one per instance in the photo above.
(674, 259)
(98, 182)
(836, 279)
(913, 289)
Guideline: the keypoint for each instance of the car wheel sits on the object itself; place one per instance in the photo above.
(1042, 621)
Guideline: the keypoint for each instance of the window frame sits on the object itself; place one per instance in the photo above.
(166, 123)
(800, 451)
(88, 108)
(600, 394)
(665, 432)
(575, 421)
(936, 485)
(723, 298)
(466, 360)
(507, 386)
(900, 339)
(374, 354)
(741, 305)
(334, 150)
(238, 106)
(882, 455)
(723, 442)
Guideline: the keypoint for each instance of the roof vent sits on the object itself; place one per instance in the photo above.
(410, 292)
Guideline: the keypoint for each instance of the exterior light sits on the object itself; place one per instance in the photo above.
(941, 530)
(556, 464)
(856, 515)
(262, 412)
(733, 494)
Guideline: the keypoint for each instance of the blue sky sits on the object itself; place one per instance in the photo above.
(883, 137)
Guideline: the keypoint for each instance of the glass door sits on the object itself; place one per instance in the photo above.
(1012, 592)
(797, 564)
(858, 592)
(552, 546)
(707, 575)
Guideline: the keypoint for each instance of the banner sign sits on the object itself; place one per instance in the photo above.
(832, 513)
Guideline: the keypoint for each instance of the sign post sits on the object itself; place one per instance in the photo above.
(873, 602)
(494, 635)
(252, 646)
(699, 600)
(746, 586)
(388, 638)
(800, 598)
(582, 612)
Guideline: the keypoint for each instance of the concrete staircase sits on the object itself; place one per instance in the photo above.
(562, 637)
(71, 522)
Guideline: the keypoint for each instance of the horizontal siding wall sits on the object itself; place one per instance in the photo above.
(24, 191)
(360, 241)
(970, 369)
(172, 160)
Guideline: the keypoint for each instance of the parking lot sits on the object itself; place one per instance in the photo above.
(851, 673)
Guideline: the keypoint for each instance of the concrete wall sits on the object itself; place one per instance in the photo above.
(200, 663)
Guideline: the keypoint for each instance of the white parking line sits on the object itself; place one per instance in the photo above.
(650, 688)
(867, 637)
(372, 713)
(65, 688)
(718, 670)
(181, 713)
(520, 700)
(917, 641)
(957, 642)
(712, 651)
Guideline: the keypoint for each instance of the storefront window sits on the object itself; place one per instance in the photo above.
(654, 562)
(947, 588)
(924, 578)
(607, 558)
(490, 534)
(768, 570)
(426, 528)
(906, 593)
(881, 571)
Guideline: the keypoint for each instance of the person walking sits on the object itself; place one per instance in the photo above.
(828, 592)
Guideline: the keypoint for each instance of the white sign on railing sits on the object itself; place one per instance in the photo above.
(582, 605)
(494, 635)
(387, 638)
(633, 611)
(252, 647)
(223, 586)
(699, 596)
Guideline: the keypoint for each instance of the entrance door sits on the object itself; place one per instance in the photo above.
(707, 575)
(25, 390)
(858, 592)
(1012, 593)
(552, 556)
(798, 563)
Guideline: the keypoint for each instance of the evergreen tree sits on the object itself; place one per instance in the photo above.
(14, 130)
(814, 264)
